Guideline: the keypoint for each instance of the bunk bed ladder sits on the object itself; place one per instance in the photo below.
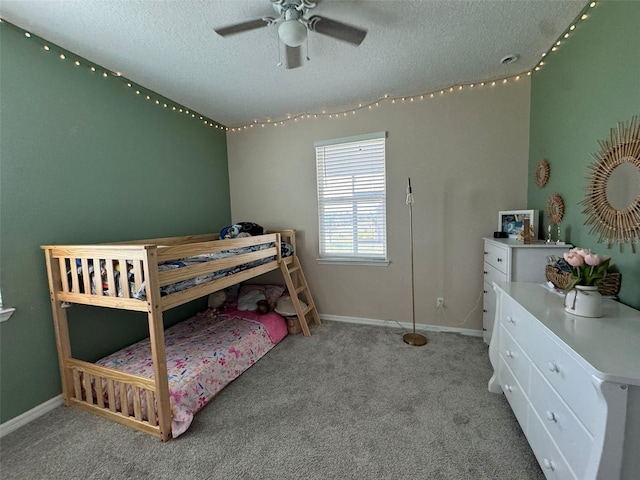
(297, 285)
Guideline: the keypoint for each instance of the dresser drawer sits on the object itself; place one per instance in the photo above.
(513, 392)
(568, 379)
(549, 457)
(497, 257)
(518, 323)
(569, 434)
(515, 358)
(492, 274)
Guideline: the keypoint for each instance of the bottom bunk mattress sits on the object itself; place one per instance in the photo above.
(204, 353)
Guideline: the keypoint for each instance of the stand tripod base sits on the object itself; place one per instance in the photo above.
(414, 339)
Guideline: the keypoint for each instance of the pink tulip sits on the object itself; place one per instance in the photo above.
(583, 252)
(594, 259)
(573, 258)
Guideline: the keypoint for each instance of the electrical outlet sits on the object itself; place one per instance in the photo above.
(439, 302)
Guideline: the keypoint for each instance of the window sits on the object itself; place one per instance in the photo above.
(352, 199)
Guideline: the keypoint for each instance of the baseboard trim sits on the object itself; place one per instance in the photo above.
(408, 326)
(29, 416)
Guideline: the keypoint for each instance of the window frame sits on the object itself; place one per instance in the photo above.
(352, 258)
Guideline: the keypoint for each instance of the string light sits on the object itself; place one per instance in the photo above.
(107, 74)
(442, 91)
(118, 75)
(572, 27)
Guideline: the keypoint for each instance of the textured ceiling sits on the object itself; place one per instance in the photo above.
(411, 47)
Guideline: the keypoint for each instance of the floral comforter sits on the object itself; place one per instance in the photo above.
(203, 354)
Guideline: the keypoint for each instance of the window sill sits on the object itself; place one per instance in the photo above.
(5, 314)
(353, 262)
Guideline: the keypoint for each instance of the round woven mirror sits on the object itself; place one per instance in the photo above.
(542, 173)
(555, 208)
(613, 198)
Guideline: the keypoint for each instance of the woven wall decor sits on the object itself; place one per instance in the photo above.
(555, 208)
(542, 173)
(619, 156)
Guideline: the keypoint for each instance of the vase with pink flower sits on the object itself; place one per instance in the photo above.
(588, 270)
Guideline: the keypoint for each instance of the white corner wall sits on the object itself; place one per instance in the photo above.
(466, 153)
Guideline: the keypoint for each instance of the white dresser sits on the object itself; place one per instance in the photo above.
(508, 260)
(573, 383)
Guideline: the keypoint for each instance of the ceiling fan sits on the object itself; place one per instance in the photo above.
(294, 24)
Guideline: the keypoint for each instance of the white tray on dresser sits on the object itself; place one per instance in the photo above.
(573, 383)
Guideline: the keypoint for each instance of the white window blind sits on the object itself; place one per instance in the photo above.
(352, 198)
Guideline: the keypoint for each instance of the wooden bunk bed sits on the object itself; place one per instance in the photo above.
(131, 399)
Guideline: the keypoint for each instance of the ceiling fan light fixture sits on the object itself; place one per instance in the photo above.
(292, 32)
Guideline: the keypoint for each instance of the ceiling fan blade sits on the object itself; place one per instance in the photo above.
(335, 29)
(242, 27)
(293, 57)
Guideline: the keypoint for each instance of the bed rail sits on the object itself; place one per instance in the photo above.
(73, 269)
(125, 398)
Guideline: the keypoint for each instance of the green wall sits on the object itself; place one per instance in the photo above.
(587, 86)
(86, 160)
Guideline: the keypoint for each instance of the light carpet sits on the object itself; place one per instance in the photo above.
(350, 402)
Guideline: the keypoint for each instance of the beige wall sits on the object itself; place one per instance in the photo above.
(466, 153)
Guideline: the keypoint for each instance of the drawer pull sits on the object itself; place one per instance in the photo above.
(484, 272)
(508, 387)
(499, 259)
(548, 464)
(484, 311)
(485, 291)
(510, 319)
(551, 416)
(509, 353)
(553, 367)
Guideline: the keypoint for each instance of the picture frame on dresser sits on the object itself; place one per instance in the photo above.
(512, 221)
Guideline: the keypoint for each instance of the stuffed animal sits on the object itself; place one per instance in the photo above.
(250, 300)
(263, 306)
(242, 229)
(217, 299)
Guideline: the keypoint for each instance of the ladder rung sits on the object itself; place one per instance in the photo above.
(294, 269)
(300, 289)
(307, 310)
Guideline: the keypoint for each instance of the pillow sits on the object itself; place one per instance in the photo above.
(250, 300)
(285, 306)
(270, 293)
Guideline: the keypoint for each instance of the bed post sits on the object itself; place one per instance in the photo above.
(156, 337)
(60, 325)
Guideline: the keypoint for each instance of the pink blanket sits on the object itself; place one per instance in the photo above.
(204, 353)
(274, 323)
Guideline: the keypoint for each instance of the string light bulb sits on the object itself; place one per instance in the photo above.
(64, 55)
